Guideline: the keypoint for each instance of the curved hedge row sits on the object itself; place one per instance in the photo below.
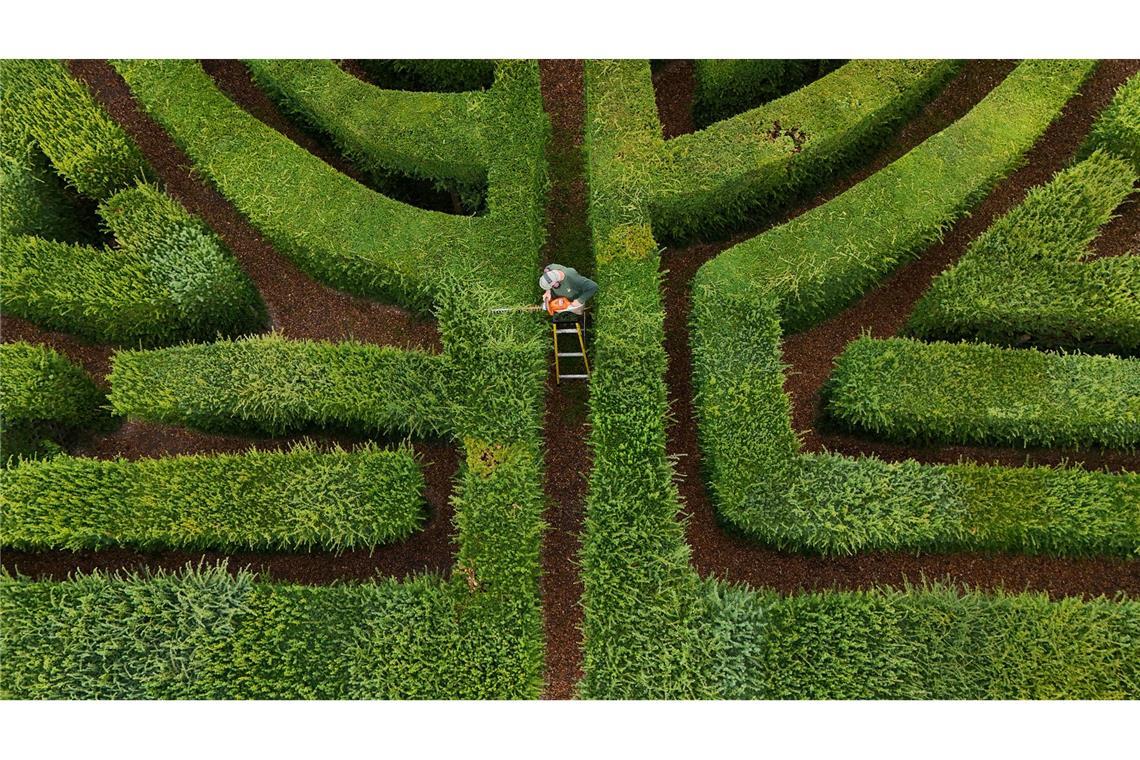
(41, 389)
(432, 135)
(168, 279)
(967, 393)
(713, 179)
(443, 74)
(817, 263)
(1024, 278)
(257, 500)
(726, 86)
(87, 148)
(838, 505)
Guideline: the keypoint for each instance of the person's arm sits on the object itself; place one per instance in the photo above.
(588, 288)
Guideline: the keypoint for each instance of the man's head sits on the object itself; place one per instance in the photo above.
(550, 278)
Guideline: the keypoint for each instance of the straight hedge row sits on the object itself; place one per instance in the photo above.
(924, 643)
(87, 148)
(817, 263)
(830, 504)
(1024, 277)
(724, 87)
(1117, 129)
(168, 279)
(968, 393)
(41, 389)
(432, 135)
(751, 163)
(302, 498)
(273, 385)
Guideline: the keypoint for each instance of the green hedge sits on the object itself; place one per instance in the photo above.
(274, 385)
(726, 86)
(758, 161)
(926, 643)
(1024, 278)
(168, 279)
(87, 148)
(837, 505)
(418, 134)
(356, 239)
(41, 390)
(298, 499)
(969, 393)
(443, 74)
(822, 260)
(1117, 129)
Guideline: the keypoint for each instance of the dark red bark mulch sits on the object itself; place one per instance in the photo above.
(567, 457)
(93, 357)
(1121, 235)
(884, 310)
(674, 84)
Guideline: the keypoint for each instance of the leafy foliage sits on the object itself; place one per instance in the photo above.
(728, 86)
(41, 389)
(1117, 129)
(168, 279)
(443, 74)
(1024, 277)
(967, 393)
(757, 161)
(280, 500)
(922, 643)
(817, 263)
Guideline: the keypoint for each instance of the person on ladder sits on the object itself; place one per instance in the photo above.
(557, 282)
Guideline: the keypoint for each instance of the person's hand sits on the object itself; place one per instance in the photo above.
(576, 306)
(546, 300)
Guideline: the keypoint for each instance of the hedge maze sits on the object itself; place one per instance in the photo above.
(1024, 342)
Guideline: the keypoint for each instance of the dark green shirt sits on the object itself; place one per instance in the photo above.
(574, 286)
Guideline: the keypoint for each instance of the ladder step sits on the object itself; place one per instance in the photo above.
(565, 331)
(572, 353)
(573, 377)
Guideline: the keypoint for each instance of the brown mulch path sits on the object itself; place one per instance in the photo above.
(1121, 235)
(568, 460)
(299, 306)
(93, 357)
(716, 551)
(674, 85)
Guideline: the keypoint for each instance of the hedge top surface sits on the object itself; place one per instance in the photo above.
(1117, 129)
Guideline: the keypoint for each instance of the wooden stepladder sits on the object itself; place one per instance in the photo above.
(569, 328)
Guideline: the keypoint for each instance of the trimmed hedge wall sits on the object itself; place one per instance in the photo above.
(41, 389)
(820, 261)
(725, 87)
(925, 643)
(297, 499)
(419, 134)
(87, 148)
(1024, 277)
(168, 279)
(443, 74)
(969, 393)
(1117, 129)
(356, 239)
(756, 162)
(837, 505)
(273, 385)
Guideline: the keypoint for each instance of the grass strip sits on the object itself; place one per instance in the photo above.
(822, 260)
(967, 393)
(299, 499)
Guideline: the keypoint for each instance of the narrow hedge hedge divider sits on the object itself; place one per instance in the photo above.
(836, 505)
(169, 279)
(727, 86)
(418, 134)
(272, 385)
(923, 643)
(1117, 129)
(968, 393)
(40, 389)
(757, 162)
(87, 148)
(820, 261)
(1024, 276)
(302, 498)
